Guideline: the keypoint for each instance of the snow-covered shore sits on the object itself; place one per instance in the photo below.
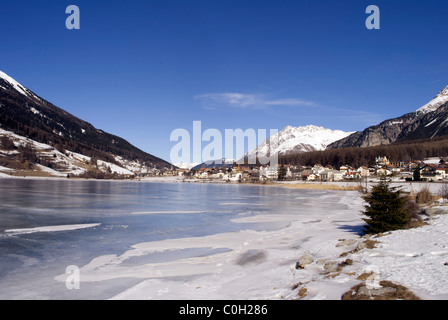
(415, 258)
(262, 264)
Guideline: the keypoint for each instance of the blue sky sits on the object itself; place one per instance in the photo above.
(140, 69)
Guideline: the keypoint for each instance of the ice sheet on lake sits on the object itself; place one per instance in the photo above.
(52, 228)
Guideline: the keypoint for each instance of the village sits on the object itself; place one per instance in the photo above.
(430, 170)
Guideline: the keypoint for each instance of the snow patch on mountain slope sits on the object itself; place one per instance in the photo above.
(17, 86)
(435, 103)
(69, 162)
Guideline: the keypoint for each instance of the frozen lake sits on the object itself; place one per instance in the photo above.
(140, 240)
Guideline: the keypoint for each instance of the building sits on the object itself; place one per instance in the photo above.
(364, 171)
(317, 169)
(383, 172)
(270, 173)
(331, 175)
(432, 173)
(305, 173)
(382, 161)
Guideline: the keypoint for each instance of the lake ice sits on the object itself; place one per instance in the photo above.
(142, 240)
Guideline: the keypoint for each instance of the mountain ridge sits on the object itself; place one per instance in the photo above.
(25, 113)
(423, 123)
(299, 139)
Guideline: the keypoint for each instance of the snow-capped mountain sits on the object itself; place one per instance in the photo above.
(427, 122)
(188, 166)
(25, 114)
(435, 103)
(17, 86)
(298, 139)
(218, 163)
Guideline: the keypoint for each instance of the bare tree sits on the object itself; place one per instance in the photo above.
(443, 191)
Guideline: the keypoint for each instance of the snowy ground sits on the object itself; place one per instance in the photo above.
(262, 265)
(415, 258)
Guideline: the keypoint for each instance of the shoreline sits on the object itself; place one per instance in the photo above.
(371, 267)
(412, 187)
(288, 184)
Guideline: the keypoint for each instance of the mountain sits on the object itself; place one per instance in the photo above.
(218, 163)
(427, 122)
(25, 114)
(290, 140)
(188, 166)
(299, 139)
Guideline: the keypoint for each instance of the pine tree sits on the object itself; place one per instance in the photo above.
(417, 176)
(385, 209)
(281, 173)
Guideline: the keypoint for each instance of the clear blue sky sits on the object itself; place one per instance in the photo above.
(140, 69)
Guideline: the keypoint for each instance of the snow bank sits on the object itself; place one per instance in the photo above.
(4, 175)
(416, 258)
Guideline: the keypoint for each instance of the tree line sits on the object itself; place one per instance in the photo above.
(356, 156)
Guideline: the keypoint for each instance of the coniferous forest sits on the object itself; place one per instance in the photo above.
(356, 156)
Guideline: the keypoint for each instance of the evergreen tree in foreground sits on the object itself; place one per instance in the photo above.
(385, 209)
